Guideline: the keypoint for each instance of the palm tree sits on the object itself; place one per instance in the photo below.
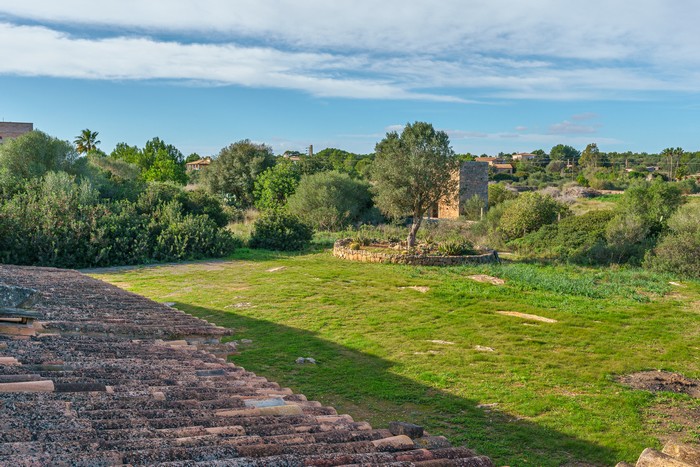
(87, 141)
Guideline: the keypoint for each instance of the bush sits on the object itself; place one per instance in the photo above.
(653, 202)
(679, 251)
(677, 254)
(579, 239)
(199, 202)
(456, 248)
(627, 237)
(330, 200)
(528, 213)
(192, 237)
(279, 231)
(473, 208)
(688, 186)
(499, 192)
(275, 185)
(64, 223)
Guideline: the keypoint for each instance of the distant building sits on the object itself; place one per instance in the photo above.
(490, 160)
(524, 156)
(294, 156)
(503, 168)
(10, 130)
(198, 164)
(473, 180)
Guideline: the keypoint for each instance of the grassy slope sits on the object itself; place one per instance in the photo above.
(552, 384)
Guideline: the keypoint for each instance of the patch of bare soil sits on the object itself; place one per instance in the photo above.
(487, 279)
(417, 288)
(278, 268)
(517, 314)
(656, 381)
(678, 422)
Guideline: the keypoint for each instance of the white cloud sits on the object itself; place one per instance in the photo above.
(38, 51)
(568, 128)
(473, 50)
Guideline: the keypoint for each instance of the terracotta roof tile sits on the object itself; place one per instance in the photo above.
(135, 382)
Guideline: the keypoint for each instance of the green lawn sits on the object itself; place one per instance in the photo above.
(546, 395)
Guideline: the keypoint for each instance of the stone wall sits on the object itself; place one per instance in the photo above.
(341, 250)
(9, 130)
(473, 180)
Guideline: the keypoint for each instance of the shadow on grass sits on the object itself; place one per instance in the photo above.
(366, 387)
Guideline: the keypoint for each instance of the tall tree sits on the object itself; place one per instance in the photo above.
(562, 152)
(412, 172)
(233, 172)
(673, 157)
(86, 141)
(591, 157)
(30, 156)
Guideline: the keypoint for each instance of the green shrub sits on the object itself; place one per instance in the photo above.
(199, 202)
(364, 235)
(528, 213)
(64, 223)
(653, 202)
(678, 251)
(627, 238)
(578, 239)
(499, 192)
(280, 231)
(192, 237)
(329, 200)
(456, 248)
(473, 208)
(688, 186)
(275, 185)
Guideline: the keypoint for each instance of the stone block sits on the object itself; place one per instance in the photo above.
(653, 458)
(394, 443)
(684, 452)
(408, 429)
(28, 386)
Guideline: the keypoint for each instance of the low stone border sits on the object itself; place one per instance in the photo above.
(341, 250)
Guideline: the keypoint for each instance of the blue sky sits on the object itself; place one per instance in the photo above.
(497, 75)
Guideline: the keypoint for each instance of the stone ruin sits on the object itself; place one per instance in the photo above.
(107, 377)
(473, 181)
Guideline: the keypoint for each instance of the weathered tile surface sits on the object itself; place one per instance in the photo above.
(114, 378)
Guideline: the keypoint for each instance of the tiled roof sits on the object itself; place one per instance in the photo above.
(114, 379)
(206, 161)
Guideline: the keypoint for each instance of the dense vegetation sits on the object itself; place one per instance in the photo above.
(58, 209)
(77, 206)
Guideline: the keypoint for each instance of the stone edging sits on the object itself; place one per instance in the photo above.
(341, 250)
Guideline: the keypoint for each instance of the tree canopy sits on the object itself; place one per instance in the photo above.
(564, 152)
(232, 174)
(158, 161)
(87, 141)
(412, 172)
(31, 156)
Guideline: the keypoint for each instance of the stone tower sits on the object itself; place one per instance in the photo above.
(9, 130)
(473, 180)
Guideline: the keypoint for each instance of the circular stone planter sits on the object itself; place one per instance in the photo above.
(341, 250)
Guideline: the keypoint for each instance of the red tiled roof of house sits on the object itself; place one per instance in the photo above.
(113, 378)
(205, 161)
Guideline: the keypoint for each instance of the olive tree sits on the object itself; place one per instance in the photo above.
(233, 172)
(412, 172)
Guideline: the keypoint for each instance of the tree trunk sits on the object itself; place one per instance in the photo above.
(411, 241)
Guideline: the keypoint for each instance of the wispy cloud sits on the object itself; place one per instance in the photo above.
(38, 51)
(462, 52)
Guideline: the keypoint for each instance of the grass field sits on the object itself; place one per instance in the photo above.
(545, 395)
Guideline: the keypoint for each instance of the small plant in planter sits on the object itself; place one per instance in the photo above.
(456, 248)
